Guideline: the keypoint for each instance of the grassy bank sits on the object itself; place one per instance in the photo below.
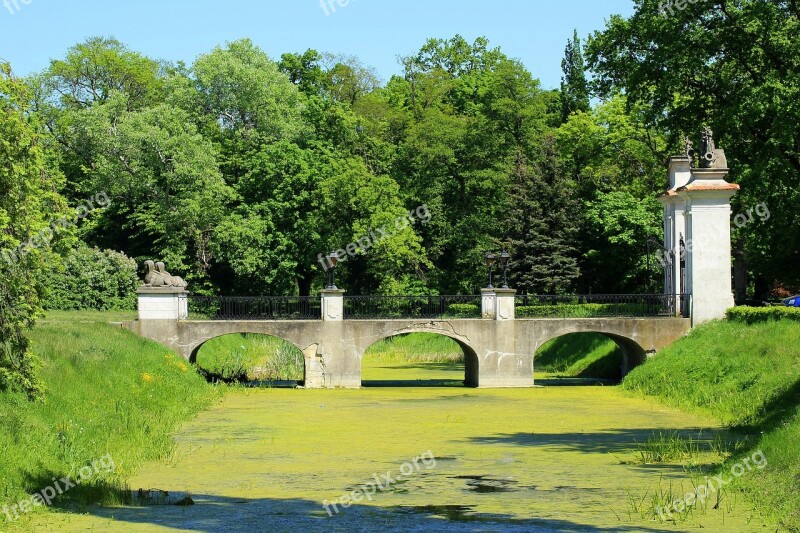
(113, 399)
(584, 355)
(251, 357)
(416, 348)
(747, 376)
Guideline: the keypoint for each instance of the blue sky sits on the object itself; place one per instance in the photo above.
(377, 31)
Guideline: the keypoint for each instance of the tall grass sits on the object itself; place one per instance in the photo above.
(748, 378)
(416, 348)
(108, 392)
(251, 357)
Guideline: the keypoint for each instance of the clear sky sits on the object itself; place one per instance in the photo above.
(377, 31)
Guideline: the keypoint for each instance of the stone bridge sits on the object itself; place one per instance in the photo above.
(499, 349)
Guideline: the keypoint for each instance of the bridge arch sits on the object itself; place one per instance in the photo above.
(471, 360)
(633, 354)
(195, 349)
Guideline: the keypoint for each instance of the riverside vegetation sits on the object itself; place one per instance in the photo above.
(105, 386)
(106, 392)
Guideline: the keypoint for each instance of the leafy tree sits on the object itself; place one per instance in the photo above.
(736, 68)
(27, 199)
(618, 225)
(611, 148)
(95, 69)
(348, 79)
(306, 72)
(244, 91)
(574, 87)
(162, 178)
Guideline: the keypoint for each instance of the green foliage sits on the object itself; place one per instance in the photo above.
(585, 355)
(755, 315)
(162, 177)
(463, 311)
(240, 172)
(733, 66)
(542, 223)
(242, 89)
(94, 70)
(251, 357)
(574, 87)
(27, 200)
(617, 227)
(108, 392)
(90, 278)
(578, 310)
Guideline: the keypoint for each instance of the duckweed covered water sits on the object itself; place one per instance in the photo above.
(560, 458)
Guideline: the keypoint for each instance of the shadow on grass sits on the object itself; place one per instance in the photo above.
(225, 514)
(778, 411)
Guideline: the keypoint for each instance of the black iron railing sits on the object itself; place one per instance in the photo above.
(388, 307)
(254, 308)
(438, 307)
(602, 306)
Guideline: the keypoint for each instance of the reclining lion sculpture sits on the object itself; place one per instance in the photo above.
(157, 276)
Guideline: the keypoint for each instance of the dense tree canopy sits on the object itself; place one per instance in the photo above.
(733, 65)
(242, 172)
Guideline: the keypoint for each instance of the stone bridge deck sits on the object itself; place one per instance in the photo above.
(497, 353)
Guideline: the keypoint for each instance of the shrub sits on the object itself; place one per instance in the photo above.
(92, 279)
(463, 311)
(755, 315)
(565, 310)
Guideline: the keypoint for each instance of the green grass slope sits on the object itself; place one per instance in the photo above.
(747, 376)
(416, 348)
(251, 357)
(589, 355)
(111, 396)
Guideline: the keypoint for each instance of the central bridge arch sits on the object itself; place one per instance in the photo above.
(471, 363)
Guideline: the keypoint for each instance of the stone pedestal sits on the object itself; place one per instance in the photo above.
(332, 305)
(505, 304)
(488, 303)
(163, 303)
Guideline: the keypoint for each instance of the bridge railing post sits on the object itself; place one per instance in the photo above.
(488, 304)
(332, 305)
(504, 302)
(163, 303)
